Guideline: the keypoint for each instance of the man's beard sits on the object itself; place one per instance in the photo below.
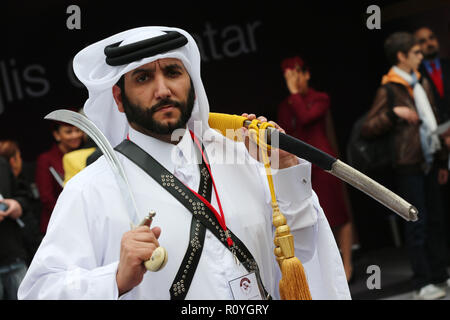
(432, 53)
(143, 116)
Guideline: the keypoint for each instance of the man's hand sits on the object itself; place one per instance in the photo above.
(136, 247)
(407, 114)
(14, 211)
(285, 159)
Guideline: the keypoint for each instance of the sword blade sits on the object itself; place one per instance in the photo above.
(56, 176)
(86, 125)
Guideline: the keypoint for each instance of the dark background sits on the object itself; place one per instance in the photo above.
(242, 45)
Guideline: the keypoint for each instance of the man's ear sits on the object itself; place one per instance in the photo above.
(56, 135)
(117, 94)
(401, 56)
(13, 161)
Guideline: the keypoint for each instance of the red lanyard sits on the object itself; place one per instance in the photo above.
(220, 216)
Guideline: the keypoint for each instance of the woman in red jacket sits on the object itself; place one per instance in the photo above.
(49, 168)
(304, 114)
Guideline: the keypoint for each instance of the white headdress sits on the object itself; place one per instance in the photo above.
(91, 68)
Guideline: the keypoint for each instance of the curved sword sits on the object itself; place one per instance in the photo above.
(83, 123)
(159, 257)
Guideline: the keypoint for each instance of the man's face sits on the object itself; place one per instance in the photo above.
(428, 43)
(69, 136)
(298, 78)
(158, 96)
(245, 286)
(16, 163)
(414, 57)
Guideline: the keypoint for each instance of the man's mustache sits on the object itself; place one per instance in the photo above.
(166, 102)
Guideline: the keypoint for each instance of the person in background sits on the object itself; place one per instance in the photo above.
(305, 114)
(49, 168)
(420, 160)
(77, 160)
(436, 69)
(13, 253)
(9, 150)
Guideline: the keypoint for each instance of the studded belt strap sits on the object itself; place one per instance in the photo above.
(201, 213)
(185, 274)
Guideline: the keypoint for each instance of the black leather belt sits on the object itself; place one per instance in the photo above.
(202, 217)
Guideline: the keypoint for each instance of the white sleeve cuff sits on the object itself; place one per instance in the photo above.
(102, 283)
(294, 195)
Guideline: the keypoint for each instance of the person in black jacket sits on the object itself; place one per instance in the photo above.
(13, 251)
(420, 161)
(437, 70)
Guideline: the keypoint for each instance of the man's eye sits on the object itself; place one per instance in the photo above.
(142, 78)
(173, 73)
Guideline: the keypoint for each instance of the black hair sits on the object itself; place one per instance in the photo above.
(423, 27)
(398, 42)
(121, 83)
(8, 148)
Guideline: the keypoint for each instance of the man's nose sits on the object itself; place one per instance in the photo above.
(162, 90)
(76, 135)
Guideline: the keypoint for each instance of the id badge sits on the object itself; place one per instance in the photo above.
(246, 287)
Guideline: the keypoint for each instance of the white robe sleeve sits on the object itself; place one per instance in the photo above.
(314, 242)
(296, 202)
(68, 263)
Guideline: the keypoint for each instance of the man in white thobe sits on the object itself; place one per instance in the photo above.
(89, 251)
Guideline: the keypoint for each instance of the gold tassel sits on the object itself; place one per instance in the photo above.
(293, 284)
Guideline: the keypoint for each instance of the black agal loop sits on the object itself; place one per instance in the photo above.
(116, 56)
